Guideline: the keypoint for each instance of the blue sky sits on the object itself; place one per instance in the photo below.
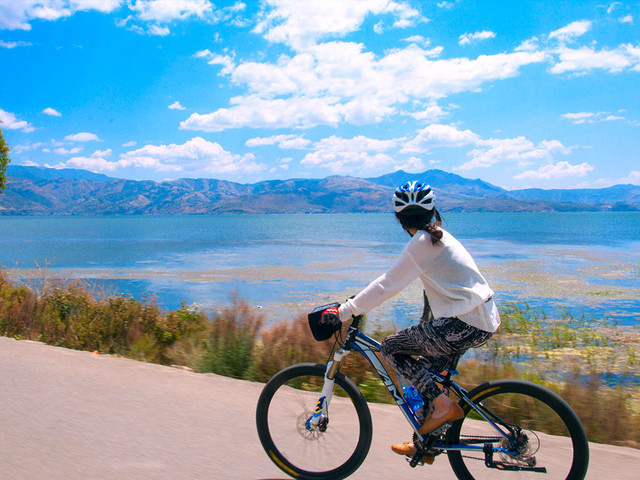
(520, 94)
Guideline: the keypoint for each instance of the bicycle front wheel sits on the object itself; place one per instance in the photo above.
(287, 402)
(544, 435)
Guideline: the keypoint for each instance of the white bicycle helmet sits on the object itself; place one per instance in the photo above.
(413, 194)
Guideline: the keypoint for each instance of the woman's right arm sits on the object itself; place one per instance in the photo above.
(387, 285)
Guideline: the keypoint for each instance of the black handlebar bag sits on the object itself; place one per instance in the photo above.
(322, 331)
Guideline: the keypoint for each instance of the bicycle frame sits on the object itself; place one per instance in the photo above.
(368, 347)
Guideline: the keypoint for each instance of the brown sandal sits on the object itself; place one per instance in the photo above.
(408, 449)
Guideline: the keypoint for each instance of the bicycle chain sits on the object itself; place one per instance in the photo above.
(477, 438)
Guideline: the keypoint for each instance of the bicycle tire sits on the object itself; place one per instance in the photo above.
(544, 416)
(284, 404)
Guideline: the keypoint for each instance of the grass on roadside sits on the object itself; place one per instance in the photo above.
(590, 364)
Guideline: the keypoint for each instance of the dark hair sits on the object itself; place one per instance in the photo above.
(428, 220)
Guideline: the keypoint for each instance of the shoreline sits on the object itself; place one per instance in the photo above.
(599, 284)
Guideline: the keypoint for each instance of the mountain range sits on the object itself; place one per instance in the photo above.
(45, 191)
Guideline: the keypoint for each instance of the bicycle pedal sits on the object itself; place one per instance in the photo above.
(426, 459)
(409, 459)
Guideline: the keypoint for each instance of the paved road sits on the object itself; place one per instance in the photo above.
(73, 415)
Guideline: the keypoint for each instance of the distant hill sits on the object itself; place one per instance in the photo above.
(41, 173)
(454, 183)
(611, 195)
(42, 191)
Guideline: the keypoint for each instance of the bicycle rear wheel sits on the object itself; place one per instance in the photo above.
(548, 435)
(288, 400)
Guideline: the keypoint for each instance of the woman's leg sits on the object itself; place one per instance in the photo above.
(439, 343)
(400, 350)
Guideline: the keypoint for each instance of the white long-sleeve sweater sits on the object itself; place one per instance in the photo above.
(450, 277)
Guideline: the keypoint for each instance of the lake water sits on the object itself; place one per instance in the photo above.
(286, 264)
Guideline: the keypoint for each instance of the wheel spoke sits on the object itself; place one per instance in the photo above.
(546, 436)
(332, 450)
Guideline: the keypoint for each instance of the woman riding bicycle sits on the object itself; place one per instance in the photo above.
(461, 302)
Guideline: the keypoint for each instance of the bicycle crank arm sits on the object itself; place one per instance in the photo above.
(423, 448)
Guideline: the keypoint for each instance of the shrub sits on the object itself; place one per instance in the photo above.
(287, 343)
(232, 340)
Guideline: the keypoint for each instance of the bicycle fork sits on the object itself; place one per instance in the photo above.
(315, 421)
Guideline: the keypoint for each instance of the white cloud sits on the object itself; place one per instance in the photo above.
(571, 31)
(130, 144)
(333, 68)
(301, 24)
(413, 164)
(197, 156)
(404, 15)
(51, 112)
(424, 79)
(95, 163)
(435, 136)
(432, 113)
(82, 137)
(554, 171)
(627, 19)
(10, 122)
(418, 40)
(16, 14)
(255, 112)
(294, 142)
(338, 81)
(584, 59)
(11, 45)
(226, 61)
(520, 150)
(168, 10)
(355, 155)
(591, 117)
(612, 7)
(17, 149)
(152, 14)
(160, 31)
(284, 163)
(468, 38)
(176, 106)
(633, 52)
(579, 117)
(104, 6)
(67, 151)
(530, 45)
(633, 178)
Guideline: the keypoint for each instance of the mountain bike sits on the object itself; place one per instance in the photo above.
(314, 423)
